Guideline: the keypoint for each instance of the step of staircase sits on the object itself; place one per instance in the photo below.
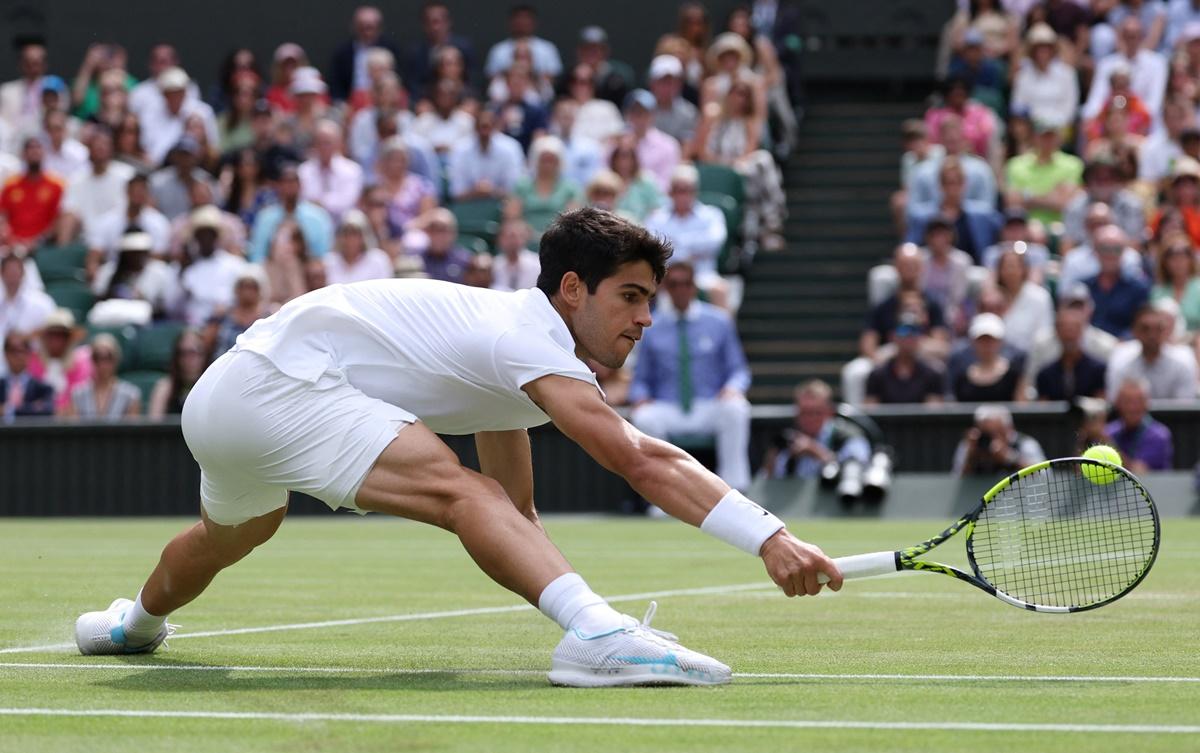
(804, 306)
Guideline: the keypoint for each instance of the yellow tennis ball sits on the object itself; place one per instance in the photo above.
(1098, 474)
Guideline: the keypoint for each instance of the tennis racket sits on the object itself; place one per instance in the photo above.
(1060, 536)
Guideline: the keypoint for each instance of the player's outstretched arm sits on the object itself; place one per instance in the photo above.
(673, 480)
(505, 456)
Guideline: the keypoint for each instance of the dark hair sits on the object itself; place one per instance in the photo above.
(593, 243)
(522, 8)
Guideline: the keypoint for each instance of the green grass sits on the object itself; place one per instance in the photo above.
(323, 569)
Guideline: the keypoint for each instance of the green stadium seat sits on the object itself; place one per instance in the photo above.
(155, 344)
(478, 217)
(57, 263)
(733, 222)
(72, 294)
(721, 179)
(474, 244)
(144, 380)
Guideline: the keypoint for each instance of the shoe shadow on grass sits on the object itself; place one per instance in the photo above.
(161, 674)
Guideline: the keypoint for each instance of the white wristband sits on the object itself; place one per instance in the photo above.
(740, 522)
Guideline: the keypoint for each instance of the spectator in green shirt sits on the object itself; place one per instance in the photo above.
(1044, 180)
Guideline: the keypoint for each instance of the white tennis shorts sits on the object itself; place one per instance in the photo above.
(258, 433)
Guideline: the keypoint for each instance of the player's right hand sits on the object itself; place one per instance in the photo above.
(794, 565)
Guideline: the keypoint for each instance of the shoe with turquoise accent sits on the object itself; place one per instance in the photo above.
(103, 633)
(633, 654)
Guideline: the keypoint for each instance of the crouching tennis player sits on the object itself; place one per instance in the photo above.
(340, 393)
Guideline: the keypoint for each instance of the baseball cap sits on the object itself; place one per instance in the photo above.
(307, 80)
(986, 325)
(640, 98)
(54, 84)
(289, 51)
(665, 65)
(173, 79)
(593, 35)
(1185, 167)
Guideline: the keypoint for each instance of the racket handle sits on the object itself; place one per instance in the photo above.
(863, 565)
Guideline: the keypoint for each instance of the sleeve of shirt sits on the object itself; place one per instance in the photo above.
(456, 168)
(714, 235)
(1185, 386)
(734, 360)
(322, 232)
(1098, 94)
(260, 237)
(525, 354)
(1031, 451)
(875, 384)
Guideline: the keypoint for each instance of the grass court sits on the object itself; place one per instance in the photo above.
(380, 635)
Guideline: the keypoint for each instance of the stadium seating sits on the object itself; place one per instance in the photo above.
(58, 263)
(72, 294)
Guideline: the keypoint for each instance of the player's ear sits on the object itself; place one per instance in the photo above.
(571, 289)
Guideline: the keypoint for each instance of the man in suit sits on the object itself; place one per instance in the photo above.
(20, 393)
(437, 30)
(348, 67)
(691, 376)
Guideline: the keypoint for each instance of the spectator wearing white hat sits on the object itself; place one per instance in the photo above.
(208, 281)
(1044, 85)
(330, 179)
(147, 95)
(729, 59)
(58, 359)
(311, 105)
(163, 123)
(355, 256)
(992, 377)
(673, 115)
(134, 275)
(1183, 22)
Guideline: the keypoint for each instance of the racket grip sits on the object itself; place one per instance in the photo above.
(863, 565)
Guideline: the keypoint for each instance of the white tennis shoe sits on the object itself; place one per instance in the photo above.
(633, 654)
(103, 632)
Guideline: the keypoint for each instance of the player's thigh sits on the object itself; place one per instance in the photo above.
(234, 541)
(418, 477)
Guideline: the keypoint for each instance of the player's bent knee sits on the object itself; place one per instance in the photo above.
(476, 496)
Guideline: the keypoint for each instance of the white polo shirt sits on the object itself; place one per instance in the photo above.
(454, 356)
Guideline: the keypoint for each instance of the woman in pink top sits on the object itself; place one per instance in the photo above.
(56, 361)
(979, 124)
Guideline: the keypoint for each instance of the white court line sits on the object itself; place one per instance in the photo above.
(1136, 729)
(533, 672)
(704, 591)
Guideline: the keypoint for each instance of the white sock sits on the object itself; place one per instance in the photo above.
(569, 602)
(140, 625)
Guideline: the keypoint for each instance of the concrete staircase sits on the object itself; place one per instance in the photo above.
(804, 306)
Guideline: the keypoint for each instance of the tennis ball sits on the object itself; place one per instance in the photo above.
(1097, 474)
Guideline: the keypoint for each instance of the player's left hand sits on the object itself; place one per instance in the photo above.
(794, 565)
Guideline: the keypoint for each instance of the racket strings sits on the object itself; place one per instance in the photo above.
(1057, 538)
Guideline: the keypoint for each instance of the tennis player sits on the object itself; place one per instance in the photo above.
(341, 393)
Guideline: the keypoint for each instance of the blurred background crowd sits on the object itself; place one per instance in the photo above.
(1046, 214)
(147, 220)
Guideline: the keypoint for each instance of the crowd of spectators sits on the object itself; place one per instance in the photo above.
(212, 206)
(1049, 217)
